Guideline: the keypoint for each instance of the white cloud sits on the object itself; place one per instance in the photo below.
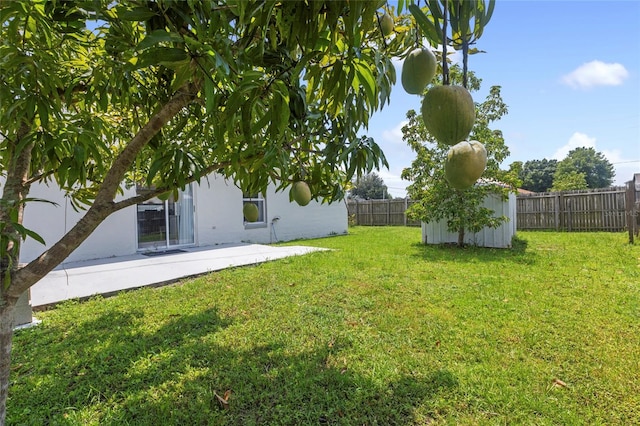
(577, 140)
(596, 73)
(394, 135)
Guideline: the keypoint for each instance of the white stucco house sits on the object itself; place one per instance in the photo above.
(208, 213)
(205, 214)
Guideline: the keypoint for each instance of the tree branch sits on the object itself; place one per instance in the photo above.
(39, 177)
(104, 204)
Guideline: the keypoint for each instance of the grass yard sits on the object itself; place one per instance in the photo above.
(380, 331)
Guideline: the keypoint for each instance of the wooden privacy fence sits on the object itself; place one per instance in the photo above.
(585, 210)
(612, 209)
(380, 212)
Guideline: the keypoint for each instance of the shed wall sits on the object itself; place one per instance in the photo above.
(437, 233)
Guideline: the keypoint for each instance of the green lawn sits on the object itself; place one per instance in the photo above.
(380, 330)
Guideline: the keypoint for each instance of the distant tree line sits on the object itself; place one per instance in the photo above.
(369, 187)
(582, 168)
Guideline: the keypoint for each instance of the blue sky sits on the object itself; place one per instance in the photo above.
(570, 75)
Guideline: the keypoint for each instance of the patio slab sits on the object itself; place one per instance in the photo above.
(78, 280)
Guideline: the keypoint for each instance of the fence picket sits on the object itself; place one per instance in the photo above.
(585, 210)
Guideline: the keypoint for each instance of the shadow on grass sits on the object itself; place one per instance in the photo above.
(518, 253)
(112, 370)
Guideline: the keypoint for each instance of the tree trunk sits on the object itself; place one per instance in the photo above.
(13, 280)
(461, 236)
(7, 307)
(15, 190)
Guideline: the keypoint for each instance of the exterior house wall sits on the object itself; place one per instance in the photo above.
(218, 219)
(113, 237)
(437, 233)
(219, 216)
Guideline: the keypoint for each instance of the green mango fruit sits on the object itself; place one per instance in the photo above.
(465, 164)
(448, 113)
(250, 212)
(418, 70)
(386, 24)
(301, 193)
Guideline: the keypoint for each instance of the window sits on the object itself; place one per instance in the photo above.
(259, 201)
(165, 223)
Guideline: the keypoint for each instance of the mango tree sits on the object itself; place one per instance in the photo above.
(97, 95)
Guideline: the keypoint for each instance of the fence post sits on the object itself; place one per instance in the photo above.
(406, 206)
(357, 212)
(557, 217)
(628, 209)
(372, 216)
(388, 212)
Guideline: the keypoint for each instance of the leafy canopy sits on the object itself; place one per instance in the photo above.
(598, 172)
(582, 168)
(277, 91)
(369, 187)
(537, 175)
(569, 181)
(98, 94)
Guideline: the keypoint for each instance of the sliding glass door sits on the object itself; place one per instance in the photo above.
(166, 224)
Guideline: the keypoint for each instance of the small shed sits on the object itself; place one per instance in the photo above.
(500, 237)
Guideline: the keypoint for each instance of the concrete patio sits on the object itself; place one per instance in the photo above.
(78, 280)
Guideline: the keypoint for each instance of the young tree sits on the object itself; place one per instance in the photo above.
(436, 200)
(537, 175)
(369, 187)
(100, 94)
(568, 181)
(597, 170)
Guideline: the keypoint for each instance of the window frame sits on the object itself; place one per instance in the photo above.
(261, 202)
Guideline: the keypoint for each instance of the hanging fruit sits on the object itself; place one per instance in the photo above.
(465, 164)
(386, 24)
(418, 70)
(448, 113)
(251, 212)
(301, 193)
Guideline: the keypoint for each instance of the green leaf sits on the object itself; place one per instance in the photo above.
(178, 159)
(136, 14)
(157, 164)
(464, 18)
(167, 56)
(474, 50)
(182, 74)
(489, 13)
(43, 112)
(336, 75)
(24, 233)
(367, 81)
(209, 95)
(428, 28)
(158, 36)
(434, 8)
(35, 236)
(281, 89)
